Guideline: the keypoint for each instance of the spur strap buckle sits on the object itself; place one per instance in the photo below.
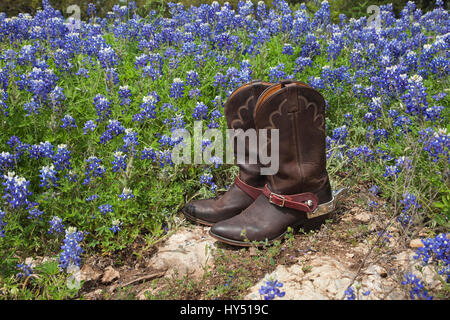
(278, 196)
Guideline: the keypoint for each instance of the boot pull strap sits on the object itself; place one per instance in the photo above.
(288, 82)
(306, 202)
(248, 189)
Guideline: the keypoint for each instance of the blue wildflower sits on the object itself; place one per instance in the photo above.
(271, 290)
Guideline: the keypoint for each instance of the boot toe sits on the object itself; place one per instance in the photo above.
(227, 231)
(189, 209)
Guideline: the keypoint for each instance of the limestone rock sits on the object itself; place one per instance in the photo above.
(328, 279)
(89, 274)
(187, 251)
(416, 243)
(363, 217)
(110, 275)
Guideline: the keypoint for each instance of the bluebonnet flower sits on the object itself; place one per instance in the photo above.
(89, 125)
(94, 169)
(120, 161)
(112, 77)
(149, 154)
(370, 117)
(72, 176)
(415, 97)
(433, 113)
(417, 289)
(105, 208)
(311, 48)
(113, 129)
(200, 111)
(108, 57)
(385, 236)
(301, 63)
(437, 250)
(194, 93)
(56, 97)
(102, 106)
(61, 158)
(403, 163)
(33, 211)
(438, 97)
(26, 270)
(316, 82)
(217, 102)
(56, 225)
(126, 194)
(17, 146)
(116, 226)
(148, 108)
(91, 9)
(215, 115)
(124, 95)
(373, 204)
(436, 143)
(2, 223)
(141, 61)
(277, 73)
(374, 189)
(340, 134)
(41, 150)
(288, 49)
(271, 290)
(68, 121)
(391, 171)
(83, 72)
(92, 197)
(409, 202)
(62, 60)
(363, 153)
(6, 160)
(71, 249)
(40, 82)
(207, 178)
(192, 78)
(404, 219)
(3, 99)
(16, 191)
(130, 141)
(350, 293)
(177, 88)
(48, 176)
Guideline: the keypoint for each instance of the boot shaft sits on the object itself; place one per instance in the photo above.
(298, 112)
(239, 111)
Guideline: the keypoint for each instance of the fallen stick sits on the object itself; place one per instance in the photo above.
(146, 277)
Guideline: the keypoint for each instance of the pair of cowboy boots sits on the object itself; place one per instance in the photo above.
(262, 208)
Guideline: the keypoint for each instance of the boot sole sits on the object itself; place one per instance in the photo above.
(310, 225)
(269, 242)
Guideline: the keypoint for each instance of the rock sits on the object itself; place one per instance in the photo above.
(416, 243)
(376, 270)
(328, 279)
(89, 274)
(110, 275)
(363, 217)
(94, 295)
(188, 251)
(252, 251)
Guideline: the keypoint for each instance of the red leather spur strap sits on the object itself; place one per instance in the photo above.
(248, 189)
(306, 202)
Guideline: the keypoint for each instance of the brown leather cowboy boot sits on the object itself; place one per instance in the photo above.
(299, 194)
(249, 183)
